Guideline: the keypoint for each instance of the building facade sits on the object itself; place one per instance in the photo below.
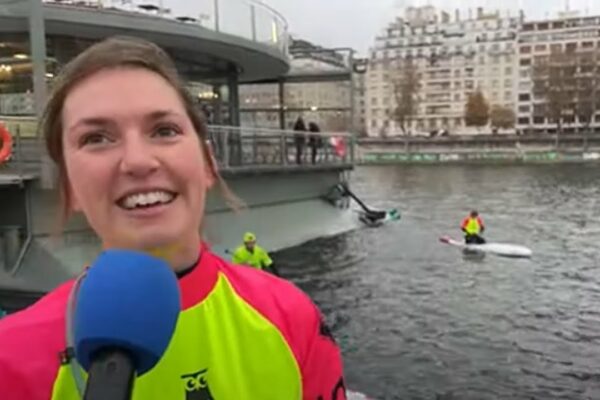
(454, 56)
(317, 88)
(568, 49)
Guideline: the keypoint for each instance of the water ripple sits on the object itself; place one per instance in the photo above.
(416, 320)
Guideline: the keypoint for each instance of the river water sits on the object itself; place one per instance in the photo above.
(417, 320)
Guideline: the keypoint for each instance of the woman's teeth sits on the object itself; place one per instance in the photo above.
(147, 199)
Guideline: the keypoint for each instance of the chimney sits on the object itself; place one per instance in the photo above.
(457, 15)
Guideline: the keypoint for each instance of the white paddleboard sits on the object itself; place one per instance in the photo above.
(499, 249)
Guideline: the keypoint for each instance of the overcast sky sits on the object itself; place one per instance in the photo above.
(354, 23)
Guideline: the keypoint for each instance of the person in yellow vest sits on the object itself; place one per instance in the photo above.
(252, 255)
(473, 227)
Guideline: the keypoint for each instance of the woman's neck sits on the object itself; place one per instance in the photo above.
(180, 256)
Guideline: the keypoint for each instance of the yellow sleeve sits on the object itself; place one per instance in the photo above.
(238, 256)
(265, 260)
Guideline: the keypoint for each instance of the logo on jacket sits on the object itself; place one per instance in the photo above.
(196, 386)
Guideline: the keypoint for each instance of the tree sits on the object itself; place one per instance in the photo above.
(502, 117)
(554, 81)
(587, 88)
(406, 85)
(477, 110)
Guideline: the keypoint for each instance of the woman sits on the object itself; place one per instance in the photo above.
(132, 157)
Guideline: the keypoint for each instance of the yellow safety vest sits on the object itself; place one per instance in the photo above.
(259, 258)
(473, 227)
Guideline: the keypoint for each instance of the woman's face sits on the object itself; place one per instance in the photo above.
(134, 162)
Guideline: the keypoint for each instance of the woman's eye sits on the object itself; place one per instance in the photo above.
(96, 138)
(166, 131)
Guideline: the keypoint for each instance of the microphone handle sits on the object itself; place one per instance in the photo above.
(111, 376)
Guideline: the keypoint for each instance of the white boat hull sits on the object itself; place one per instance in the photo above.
(499, 249)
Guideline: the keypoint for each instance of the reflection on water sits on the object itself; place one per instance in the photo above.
(417, 320)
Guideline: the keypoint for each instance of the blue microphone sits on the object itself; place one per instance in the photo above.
(125, 315)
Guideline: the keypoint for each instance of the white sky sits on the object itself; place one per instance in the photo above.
(355, 23)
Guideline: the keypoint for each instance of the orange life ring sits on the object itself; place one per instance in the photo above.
(7, 144)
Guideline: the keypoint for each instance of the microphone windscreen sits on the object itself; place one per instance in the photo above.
(128, 300)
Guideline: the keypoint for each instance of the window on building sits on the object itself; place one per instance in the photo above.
(587, 45)
(373, 123)
(524, 62)
(458, 122)
(374, 101)
(469, 85)
(524, 97)
(524, 85)
(540, 47)
(524, 73)
(508, 71)
(481, 60)
(508, 59)
(508, 83)
(524, 109)
(571, 48)
(457, 97)
(556, 48)
(457, 73)
(457, 84)
(507, 95)
(539, 120)
(494, 83)
(523, 121)
(525, 50)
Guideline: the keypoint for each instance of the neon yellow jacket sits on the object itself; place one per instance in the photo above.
(259, 258)
(241, 335)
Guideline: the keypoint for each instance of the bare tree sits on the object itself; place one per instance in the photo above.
(406, 84)
(477, 110)
(587, 88)
(502, 117)
(554, 81)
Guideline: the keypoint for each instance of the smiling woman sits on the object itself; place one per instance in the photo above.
(132, 157)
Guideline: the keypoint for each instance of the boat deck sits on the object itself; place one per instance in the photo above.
(9, 178)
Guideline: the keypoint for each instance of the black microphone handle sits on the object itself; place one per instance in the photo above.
(111, 376)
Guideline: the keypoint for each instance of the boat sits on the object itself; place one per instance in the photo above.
(377, 218)
(499, 249)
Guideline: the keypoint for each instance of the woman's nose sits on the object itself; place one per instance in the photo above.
(138, 158)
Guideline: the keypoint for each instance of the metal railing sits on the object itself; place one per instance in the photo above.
(233, 147)
(250, 19)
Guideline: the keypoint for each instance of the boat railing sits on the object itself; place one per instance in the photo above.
(248, 147)
(234, 148)
(250, 19)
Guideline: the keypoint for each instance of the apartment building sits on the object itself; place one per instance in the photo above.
(571, 43)
(454, 56)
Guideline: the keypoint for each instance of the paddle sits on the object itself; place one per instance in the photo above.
(371, 214)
